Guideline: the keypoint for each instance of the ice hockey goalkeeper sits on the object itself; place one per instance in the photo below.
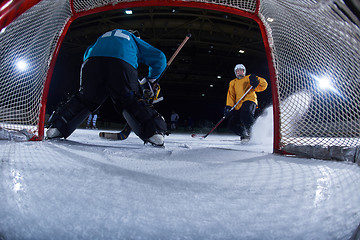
(110, 70)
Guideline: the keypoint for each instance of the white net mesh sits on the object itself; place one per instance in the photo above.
(310, 42)
(313, 45)
(27, 46)
(81, 6)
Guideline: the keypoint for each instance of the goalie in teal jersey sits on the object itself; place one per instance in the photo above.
(110, 70)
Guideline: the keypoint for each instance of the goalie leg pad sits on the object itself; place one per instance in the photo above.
(68, 117)
(134, 124)
(145, 121)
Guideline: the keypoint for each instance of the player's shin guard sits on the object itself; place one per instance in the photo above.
(64, 121)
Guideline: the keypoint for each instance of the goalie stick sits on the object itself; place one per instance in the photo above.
(222, 119)
(125, 132)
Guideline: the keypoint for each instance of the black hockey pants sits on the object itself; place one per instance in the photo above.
(103, 77)
(240, 121)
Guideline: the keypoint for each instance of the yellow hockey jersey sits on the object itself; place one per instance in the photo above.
(238, 87)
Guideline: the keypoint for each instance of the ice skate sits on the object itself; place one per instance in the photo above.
(53, 133)
(156, 140)
(245, 139)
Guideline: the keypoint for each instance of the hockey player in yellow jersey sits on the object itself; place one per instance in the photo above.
(242, 117)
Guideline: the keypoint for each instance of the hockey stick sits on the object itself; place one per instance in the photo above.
(123, 134)
(148, 87)
(175, 54)
(222, 119)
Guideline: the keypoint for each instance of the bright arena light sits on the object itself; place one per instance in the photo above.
(325, 83)
(21, 65)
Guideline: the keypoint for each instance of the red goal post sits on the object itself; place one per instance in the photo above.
(306, 44)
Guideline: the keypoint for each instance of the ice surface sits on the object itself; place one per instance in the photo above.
(216, 188)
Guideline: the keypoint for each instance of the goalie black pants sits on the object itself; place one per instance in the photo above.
(101, 78)
(240, 121)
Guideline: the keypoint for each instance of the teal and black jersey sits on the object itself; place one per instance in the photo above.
(124, 45)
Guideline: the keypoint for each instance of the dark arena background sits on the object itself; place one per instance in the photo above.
(195, 84)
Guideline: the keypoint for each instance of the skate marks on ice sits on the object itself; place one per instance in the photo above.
(261, 137)
(178, 147)
(92, 191)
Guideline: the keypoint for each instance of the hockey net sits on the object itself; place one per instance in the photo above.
(308, 43)
(315, 47)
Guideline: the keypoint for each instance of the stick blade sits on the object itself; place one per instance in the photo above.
(109, 135)
(194, 135)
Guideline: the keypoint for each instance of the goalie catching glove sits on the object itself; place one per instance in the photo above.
(151, 90)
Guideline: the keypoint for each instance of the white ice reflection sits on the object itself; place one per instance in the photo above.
(16, 179)
(323, 184)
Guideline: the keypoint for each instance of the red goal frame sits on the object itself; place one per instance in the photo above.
(10, 10)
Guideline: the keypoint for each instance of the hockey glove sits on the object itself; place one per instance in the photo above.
(147, 88)
(151, 90)
(254, 81)
(158, 96)
(227, 110)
